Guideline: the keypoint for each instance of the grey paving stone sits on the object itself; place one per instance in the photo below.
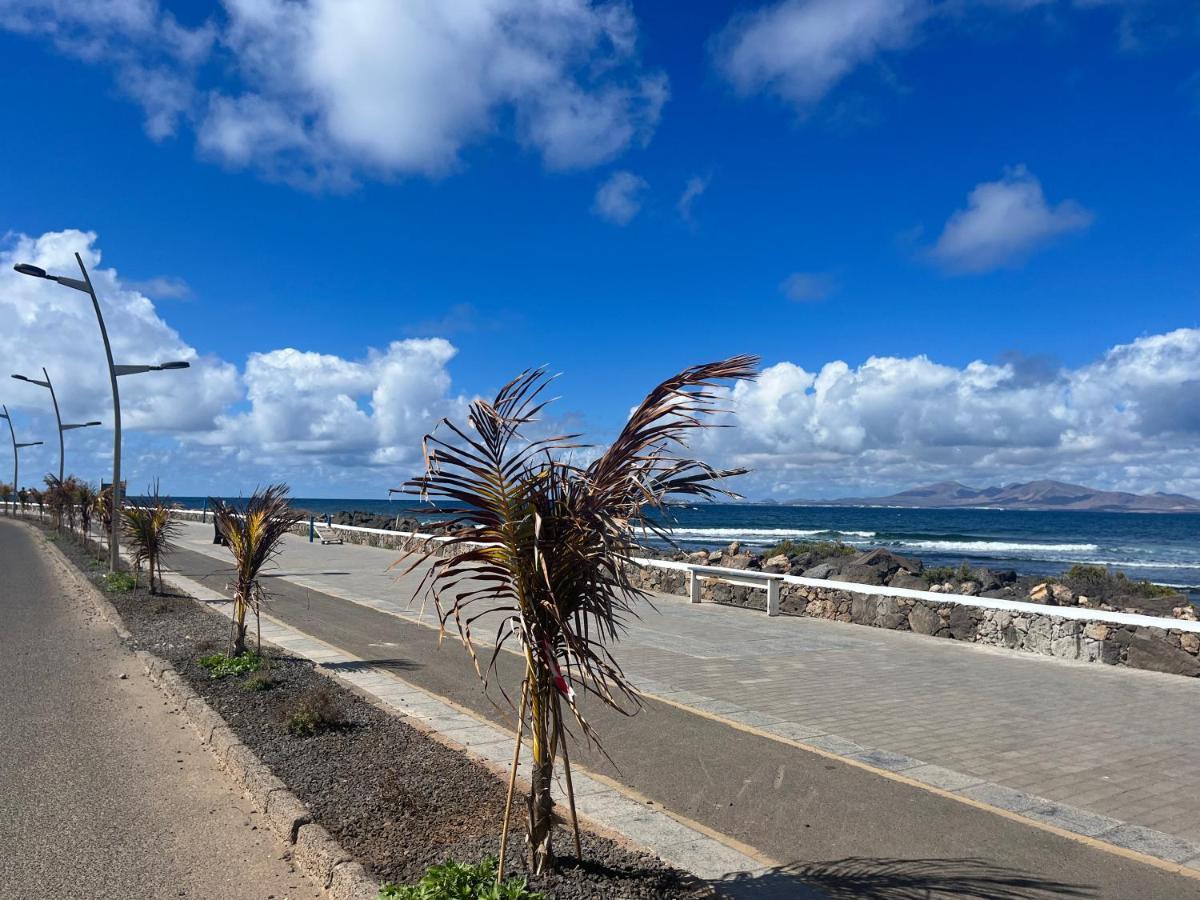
(836, 745)
(1003, 797)
(941, 777)
(884, 759)
(1079, 821)
(1154, 843)
(794, 731)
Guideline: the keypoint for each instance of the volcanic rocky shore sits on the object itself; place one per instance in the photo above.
(1089, 587)
(840, 562)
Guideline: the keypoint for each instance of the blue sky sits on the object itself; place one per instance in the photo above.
(617, 191)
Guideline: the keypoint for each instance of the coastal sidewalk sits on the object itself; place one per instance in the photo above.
(1093, 750)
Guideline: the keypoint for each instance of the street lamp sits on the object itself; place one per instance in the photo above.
(85, 285)
(16, 446)
(61, 427)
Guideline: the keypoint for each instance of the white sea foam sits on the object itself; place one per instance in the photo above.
(995, 547)
(750, 534)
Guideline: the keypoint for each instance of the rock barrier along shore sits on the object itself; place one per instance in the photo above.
(979, 606)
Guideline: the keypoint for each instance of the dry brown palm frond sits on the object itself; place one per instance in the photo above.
(255, 536)
(86, 499)
(545, 544)
(149, 528)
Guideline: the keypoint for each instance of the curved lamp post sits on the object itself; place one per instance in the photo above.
(16, 446)
(85, 285)
(61, 427)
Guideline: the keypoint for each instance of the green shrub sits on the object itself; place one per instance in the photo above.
(939, 574)
(259, 681)
(220, 666)
(1099, 583)
(316, 711)
(459, 881)
(119, 582)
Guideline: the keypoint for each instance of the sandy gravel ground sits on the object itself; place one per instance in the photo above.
(104, 790)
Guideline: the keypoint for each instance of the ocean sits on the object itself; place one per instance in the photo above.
(1161, 548)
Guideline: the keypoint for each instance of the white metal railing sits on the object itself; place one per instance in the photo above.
(742, 577)
(751, 578)
(1016, 606)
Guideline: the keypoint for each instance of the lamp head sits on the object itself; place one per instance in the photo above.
(175, 365)
(27, 269)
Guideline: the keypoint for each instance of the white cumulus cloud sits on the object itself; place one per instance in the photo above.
(1127, 420)
(799, 49)
(55, 327)
(324, 92)
(619, 198)
(1005, 221)
(297, 415)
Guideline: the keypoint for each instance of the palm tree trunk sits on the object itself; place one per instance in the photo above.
(541, 804)
(239, 623)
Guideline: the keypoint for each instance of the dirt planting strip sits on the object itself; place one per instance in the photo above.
(370, 788)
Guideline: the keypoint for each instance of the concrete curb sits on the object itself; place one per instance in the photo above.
(314, 851)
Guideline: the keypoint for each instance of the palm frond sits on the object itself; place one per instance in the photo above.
(545, 545)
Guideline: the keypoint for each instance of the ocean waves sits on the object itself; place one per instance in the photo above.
(765, 536)
(995, 548)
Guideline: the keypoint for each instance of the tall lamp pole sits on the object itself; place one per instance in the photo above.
(85, 285)
(16, 446)
(61, 427)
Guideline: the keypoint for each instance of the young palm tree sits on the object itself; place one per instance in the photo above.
(60, 497)
(39, 498)
(549, 547)
(255, 536)
(86, 497)
(149, 528)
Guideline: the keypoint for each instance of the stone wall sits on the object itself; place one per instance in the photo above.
(1172, 650)
(1162, 649)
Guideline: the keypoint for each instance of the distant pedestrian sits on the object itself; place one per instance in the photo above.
(218, 537)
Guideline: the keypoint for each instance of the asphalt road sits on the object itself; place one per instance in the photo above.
(838, 828)
(104, 790)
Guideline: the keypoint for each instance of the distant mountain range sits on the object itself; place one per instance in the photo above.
(1041, 495)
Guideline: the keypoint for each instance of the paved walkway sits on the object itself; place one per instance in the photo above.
(104, 791)
(1120, 743)
(1110, 745)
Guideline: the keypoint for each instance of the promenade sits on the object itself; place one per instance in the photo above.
(1101, 752)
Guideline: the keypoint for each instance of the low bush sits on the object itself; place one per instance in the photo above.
(939, 574)
(316, 711)
(259, 681)
(221, 666)
(118, 582)
(1098, 583)
(460, 881)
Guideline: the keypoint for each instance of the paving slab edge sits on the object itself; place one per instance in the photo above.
(315, 852)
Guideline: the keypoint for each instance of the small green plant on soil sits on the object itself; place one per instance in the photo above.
(815, 550)
(259, 681)
(221, 666)
(118, 582)
(316, 711)
(460, 881)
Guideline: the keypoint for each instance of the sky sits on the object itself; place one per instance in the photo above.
(962, 235)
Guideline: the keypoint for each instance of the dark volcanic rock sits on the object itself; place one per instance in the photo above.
(888, 561)
(1156, 654)
(924, 620)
